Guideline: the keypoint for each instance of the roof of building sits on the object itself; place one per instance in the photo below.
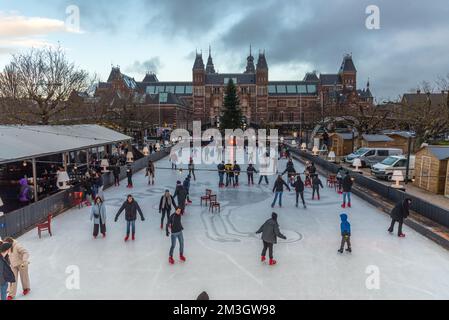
(262, 61)
(376, 138)
(198, 64)
(365, 93)
(404, 134)
(440, 152)
(348, 65)
(311, 76)
(424, 98)
(330, 79)
(18, 143)
(238, 78)
(150, 77)
(210, 64)
(345, 135)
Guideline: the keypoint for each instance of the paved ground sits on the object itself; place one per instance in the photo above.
(223, 253)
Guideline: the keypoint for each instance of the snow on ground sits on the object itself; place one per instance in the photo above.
(223, 253)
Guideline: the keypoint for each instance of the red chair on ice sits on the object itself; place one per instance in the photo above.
(45, 226)
(214, 204)
(206, 197)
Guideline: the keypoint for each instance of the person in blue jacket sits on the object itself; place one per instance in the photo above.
(186, 185)
(345, 228)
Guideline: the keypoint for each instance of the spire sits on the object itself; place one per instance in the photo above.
(367, 84)
(250, 63)
(347, 65)
(199, 64)
(210, 64)
(262, 61)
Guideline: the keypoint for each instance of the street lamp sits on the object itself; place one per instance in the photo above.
(397, 177)
(409, 146)
(357, 163)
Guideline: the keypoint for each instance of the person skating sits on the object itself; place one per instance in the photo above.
(191, 167)
(290, 169)
(150, 172)
(129, 175)
(19, 261)
(345, 229)
(400, 212)
(131, 208)
(278, 188)
(229, 174)
(6, 273)
(165, 205)
(180, 195)
(173, 160)
(175, 226)
(270, 232)
(98, 186)
(98, 215)
(186, 185)
(236, 169)
(221, 172)
(346, 185)
(316, 184)
(299, 189)
(116, 173)
(250, 172)
(340, 175)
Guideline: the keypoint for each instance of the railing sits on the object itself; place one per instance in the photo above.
(24, 219)
(424, 208)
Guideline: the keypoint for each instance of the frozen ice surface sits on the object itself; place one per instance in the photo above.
(223, 253)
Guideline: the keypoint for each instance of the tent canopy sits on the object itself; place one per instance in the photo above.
(19, 143)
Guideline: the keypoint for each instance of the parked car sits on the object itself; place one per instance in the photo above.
(384, 169)
(371, 156)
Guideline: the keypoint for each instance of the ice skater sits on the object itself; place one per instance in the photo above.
(186, 185)
(98, 215)
(221, 172)
(250, 173)
(6, 273)
(278, 188)
(316, 184)
(165, 206)
(131, 208)
(270, 232)
(347, 187)
(19, 261)
(290, 169)
(299, 189)
(180, 195)
(129, 175)
(400, 212)
(236, 170)
(175, 226)
(345, 229)
(150, 172)
(116, 173)
(340, 175)
(229, 174)
(191, 167)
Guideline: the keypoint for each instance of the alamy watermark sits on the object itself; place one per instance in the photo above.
(372, 22)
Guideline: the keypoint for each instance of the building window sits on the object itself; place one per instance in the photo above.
(292, 117)
(281, 116)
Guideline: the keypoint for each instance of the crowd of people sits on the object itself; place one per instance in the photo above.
(14, 258)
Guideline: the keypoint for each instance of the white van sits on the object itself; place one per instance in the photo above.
(371, 156)
(384, 169)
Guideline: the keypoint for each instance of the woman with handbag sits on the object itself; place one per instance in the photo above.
(98, 215)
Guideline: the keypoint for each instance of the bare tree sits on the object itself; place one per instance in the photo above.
(39, 82)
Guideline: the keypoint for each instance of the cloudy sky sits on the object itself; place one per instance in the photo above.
(298, 36)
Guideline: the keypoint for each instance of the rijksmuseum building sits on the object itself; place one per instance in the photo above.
(288, 105)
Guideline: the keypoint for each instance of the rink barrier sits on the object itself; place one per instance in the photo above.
(420, 206)
(17, 222)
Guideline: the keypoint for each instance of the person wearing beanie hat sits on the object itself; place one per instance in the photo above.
(174, 226)
(6, 274)
(345, 229)
(180, 195)
(270, 232)
(165, 206)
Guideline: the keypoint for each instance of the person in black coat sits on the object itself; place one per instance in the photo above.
(165, 206)
(6, 273)
(299, 189)
(347, 187)
(131, 208)
(290, 169)
(236, 168)
(398, 214)
(270, 232)
(278, 188)
(129, 175)
(116, 173)
(175, 226)
(250, 172)
(316, 184)
(180, 195)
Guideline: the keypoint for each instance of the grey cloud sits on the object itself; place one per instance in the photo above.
(141, 67)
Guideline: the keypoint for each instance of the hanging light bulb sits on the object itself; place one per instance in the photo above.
(24, 163)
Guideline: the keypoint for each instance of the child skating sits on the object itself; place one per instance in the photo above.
(345, 228)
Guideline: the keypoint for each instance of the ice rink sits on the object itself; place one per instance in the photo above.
(223, 254)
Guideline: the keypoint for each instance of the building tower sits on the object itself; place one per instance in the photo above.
(199, 80)
(250, 63)
(261, 110)
(210, 64)
(348, 73)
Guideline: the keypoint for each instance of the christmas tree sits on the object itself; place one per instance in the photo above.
(231, 117)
